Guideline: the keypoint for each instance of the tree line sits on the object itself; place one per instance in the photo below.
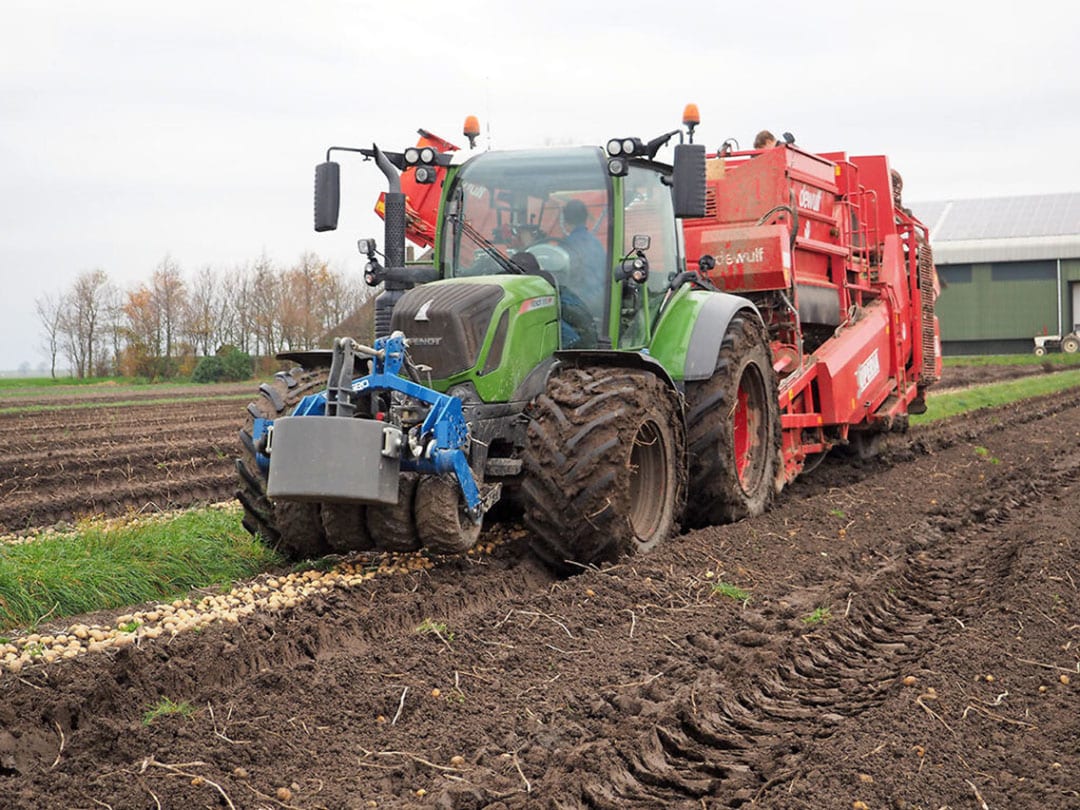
(161, 328)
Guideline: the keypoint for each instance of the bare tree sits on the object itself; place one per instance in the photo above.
(81, 326)
(303, 302)
(264, 304)
(169, 296)
(50, 311)
(236, 321)
(343, 294)
(202, 320)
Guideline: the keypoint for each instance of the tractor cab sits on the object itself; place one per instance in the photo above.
(608, 242)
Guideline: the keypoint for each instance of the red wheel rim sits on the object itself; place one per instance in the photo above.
(748, 429)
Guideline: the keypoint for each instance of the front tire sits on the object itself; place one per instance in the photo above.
(733, 427)
(441, 520)
(605, 465)
(295, 530)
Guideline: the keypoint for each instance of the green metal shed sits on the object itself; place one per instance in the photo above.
(1009, 269)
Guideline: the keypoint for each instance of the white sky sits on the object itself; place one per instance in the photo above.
(132, 130)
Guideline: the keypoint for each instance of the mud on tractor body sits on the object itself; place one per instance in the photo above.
(576, 349)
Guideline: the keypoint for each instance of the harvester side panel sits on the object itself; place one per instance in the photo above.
(854, 369)
(843, 277)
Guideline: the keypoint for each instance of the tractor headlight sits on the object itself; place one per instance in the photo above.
(618, 167)
(412, 156)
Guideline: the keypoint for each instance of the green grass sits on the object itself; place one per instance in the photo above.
(818, 616)
(166, 708)
(429, 626)
(126, 403)
(941, 406)
(97, 568)
(731, 592)
(7, 383)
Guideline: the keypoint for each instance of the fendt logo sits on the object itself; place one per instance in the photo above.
(422, 313)
(810, 199)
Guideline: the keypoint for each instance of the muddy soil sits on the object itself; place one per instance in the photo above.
(907, 636)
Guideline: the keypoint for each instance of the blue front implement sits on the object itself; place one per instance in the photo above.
(443, 437)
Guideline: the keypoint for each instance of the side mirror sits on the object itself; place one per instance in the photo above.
(327, 195)
(688, 179)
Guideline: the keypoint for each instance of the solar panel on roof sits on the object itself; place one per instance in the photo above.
(1002, 217)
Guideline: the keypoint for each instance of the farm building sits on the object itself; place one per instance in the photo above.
(1009, 269)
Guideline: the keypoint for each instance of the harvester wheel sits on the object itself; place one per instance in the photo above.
(441, 521)
(605, 465)
(392, 527)
(733, 427)
(294, 529)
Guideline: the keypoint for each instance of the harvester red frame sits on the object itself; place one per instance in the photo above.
(843, 277)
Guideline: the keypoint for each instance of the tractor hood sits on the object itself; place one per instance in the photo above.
(491, 330)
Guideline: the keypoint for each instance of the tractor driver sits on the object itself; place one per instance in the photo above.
(587, 256)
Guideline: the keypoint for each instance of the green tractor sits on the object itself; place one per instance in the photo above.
(556, 355)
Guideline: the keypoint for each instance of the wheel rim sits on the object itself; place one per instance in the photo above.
(749, 429)
(648, 481)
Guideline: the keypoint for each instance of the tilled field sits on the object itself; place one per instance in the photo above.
(911, 639)
(103, 453)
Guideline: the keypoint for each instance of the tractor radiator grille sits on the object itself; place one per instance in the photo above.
(446, 324)
(926, 294)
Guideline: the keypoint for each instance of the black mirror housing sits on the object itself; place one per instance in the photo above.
(688, 179)
(327, 195)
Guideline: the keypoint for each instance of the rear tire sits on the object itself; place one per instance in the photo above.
(733, 427)
(1070, 345)
(605, 465)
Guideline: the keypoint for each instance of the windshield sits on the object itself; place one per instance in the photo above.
(551, 203)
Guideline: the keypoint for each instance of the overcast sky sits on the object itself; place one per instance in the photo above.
(132, 130)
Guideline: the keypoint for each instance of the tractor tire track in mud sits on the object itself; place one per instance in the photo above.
(881, 595)
(739, 726)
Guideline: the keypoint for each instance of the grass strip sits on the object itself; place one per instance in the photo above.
(98, 568)
(37, 383)
(942, 406)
